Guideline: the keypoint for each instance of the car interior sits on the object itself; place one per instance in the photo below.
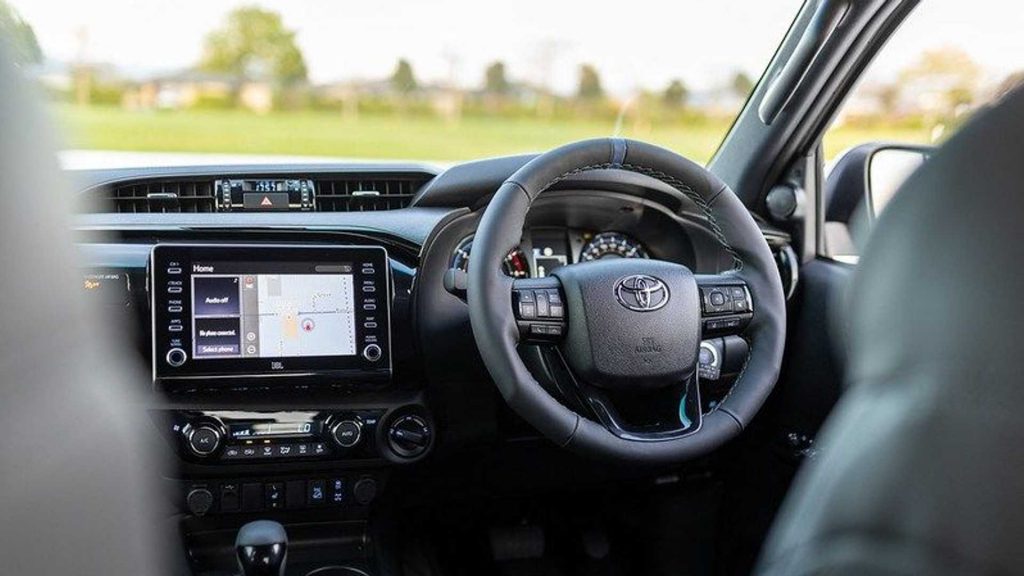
(603, 358)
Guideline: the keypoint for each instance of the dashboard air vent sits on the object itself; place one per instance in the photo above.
(361, 194)
(155, 196)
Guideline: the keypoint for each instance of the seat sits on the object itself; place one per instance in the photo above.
(77, 485)
(922, 468)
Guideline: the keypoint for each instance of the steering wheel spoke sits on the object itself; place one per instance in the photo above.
(653, 415)
(539, 308)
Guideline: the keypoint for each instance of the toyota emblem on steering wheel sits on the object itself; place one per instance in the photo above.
(641, 293)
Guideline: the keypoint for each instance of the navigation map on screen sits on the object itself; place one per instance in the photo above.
(273, 315)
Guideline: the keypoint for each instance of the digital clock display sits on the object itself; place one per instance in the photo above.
(265, 186)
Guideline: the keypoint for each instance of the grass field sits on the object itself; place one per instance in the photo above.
(382, 137)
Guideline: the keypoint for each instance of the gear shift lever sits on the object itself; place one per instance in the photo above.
(261, 548)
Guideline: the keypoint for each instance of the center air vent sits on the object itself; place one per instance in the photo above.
(359, 194)
(155, 196)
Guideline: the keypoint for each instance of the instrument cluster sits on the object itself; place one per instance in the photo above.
(544, 250)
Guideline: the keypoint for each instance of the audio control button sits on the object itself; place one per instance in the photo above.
(176, 357)
(372, 352)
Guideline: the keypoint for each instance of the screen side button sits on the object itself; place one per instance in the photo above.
(372, 352)
(176, 357)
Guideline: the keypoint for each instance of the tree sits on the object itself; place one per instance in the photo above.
(590, 83)
(254, 42)
(19, 37)
(676, 94)
(495, 79)
(402, 79)
(741, 84)
(948, 71)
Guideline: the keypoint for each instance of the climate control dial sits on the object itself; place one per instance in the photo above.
(347, 433)
(203, 439)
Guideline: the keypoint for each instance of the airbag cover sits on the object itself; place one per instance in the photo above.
(632, 322)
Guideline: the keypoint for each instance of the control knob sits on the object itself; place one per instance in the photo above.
(203, 439)
(372, 352)
(347, 433)
(176, 357)
(409, 436)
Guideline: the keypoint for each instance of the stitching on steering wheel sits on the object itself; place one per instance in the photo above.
(679, 185)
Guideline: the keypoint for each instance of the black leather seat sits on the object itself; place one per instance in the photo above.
(922, 462)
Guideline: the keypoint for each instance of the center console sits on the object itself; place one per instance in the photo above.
(287, 399)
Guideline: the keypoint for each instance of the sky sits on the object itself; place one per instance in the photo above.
(638, 44)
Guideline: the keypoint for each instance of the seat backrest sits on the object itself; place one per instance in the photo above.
(922, 466)
(76, 486)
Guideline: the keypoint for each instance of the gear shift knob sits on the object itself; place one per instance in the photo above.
(261, 548)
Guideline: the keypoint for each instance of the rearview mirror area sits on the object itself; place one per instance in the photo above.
(860, 184)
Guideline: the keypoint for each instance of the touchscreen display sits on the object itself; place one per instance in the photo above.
(272, 315)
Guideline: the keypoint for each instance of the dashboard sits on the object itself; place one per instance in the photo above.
(305, 326)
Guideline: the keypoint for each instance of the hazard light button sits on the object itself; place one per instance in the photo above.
(265, 201)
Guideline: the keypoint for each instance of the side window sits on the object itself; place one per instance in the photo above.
(943, 65)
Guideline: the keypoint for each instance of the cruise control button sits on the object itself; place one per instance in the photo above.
(525, 295)
(527, 310)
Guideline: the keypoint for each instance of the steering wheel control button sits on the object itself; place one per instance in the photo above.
(543, 308)
(372, 352)
(347, 433)
(716, 300)
(709, 360)
(176, 357)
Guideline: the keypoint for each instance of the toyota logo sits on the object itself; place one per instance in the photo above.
(641, 293)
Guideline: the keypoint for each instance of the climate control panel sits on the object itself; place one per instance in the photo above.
(253, 437)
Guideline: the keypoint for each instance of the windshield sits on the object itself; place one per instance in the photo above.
(393, 79)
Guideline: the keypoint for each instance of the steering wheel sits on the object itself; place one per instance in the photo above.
(626, 333)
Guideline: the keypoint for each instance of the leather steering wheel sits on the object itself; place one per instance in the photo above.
(627, 331)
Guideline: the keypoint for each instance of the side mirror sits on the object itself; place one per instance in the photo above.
(888, 168)
(860, 183)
